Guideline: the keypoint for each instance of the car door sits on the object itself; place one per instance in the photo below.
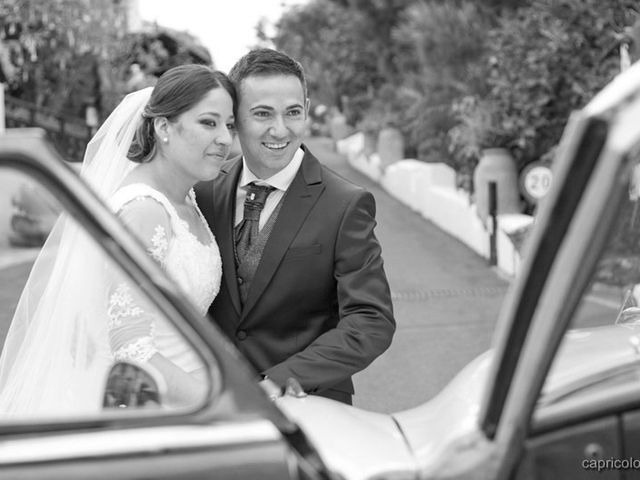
(233, 431)
(534, 424)
(586, 417)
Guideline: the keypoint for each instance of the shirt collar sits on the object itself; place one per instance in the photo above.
(281, 180)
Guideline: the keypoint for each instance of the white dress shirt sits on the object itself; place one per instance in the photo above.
(280, 181)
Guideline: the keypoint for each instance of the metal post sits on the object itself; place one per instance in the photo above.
(493, 223)
(2, 109)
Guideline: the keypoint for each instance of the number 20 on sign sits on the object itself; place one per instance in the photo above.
(535, 181)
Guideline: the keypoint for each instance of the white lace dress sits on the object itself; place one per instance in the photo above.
(135, 331)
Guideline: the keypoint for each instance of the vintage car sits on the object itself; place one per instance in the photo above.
(557, 396)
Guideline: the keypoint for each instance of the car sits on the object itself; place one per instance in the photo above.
(557, 395)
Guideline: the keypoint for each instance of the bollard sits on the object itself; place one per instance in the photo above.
(2, 109)
(493, 225)
(390, 146)
(496, 165)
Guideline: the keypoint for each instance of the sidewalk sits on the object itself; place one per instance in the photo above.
(430, 189)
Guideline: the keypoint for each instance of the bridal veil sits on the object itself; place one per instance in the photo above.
(56, 353)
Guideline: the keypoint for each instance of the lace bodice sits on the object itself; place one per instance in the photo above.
(196, 267)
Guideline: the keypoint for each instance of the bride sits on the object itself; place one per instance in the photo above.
(76, 315)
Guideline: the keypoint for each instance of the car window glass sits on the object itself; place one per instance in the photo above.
(98, 343)
(602, 345)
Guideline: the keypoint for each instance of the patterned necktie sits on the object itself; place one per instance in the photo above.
(247, 230)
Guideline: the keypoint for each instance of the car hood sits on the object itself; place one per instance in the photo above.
(440, 437)
(443, 432)
(355, 443)
(359, 444)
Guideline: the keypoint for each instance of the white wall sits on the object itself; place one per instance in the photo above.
(430, 189)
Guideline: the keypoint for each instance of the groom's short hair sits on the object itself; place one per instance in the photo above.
(266, 62)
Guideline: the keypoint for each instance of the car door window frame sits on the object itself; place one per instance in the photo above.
(509, 401)
(521, 302)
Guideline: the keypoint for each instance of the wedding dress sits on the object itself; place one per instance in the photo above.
(196, 267)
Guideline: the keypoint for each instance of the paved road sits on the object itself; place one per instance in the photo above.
(446, 301)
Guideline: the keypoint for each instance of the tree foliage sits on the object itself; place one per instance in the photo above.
(52, 50)
(65, 55)
(442, 44)
(549, 59)
(324, 37)
(457, 75)
(345, 47)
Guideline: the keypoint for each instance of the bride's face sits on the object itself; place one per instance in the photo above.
(200, 139)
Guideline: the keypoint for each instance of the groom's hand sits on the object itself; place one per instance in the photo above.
(275, 391)
(271, 388)
(294, 389)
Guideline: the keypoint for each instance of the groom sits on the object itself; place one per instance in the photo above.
(304, 293)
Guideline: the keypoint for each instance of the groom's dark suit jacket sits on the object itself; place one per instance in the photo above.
(319, 308)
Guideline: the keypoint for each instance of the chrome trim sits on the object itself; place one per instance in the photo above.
(582, 383)
(114, 443)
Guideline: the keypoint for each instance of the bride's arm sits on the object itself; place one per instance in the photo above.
(133, 322)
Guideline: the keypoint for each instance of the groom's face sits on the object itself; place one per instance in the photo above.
(271, 121)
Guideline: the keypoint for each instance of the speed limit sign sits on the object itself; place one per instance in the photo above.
(535, 181)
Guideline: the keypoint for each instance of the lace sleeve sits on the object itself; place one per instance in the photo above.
(131, 323)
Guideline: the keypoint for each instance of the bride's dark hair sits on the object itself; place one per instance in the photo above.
(176, 91)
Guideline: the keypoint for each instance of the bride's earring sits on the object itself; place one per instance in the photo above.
(165, 140)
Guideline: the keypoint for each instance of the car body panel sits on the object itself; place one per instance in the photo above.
(440, 437)
(168, 439)
(577, 367)
(433, 427)
(355, 443)
(565, 453)
(252, 450)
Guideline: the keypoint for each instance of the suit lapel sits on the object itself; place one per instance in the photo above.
(224, 201)
(298, 202)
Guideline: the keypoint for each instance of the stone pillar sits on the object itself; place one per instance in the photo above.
(390, 146)
(370, 143)
(496, 165)
(338, 127)
(2, 109)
